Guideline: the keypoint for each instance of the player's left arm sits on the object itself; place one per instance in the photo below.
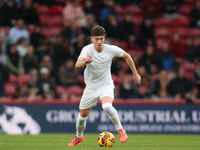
(131, 64)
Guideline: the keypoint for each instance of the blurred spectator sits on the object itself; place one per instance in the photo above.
(195, 17)
(30, 60)
(128, 2)
(89, 8)
(74, 97)
(153, 7)
(3, 48)
(22, 47)
(36, 37)
(64, 96)
(71, 32)
(46, 84)
(1, 3)
(197, 80)
(146, 88)
(68, 75)
(150, 61)
(32, 91)
(110, 8)
(28, 13)
(48, 49)
(146, 36)
(73, 12)
(19, 93)
(112, 26)
(162, 82)
(8, 13)
(162, 95)
(116, 66)
(189, 50)
(80, 43)
(127, 28)
(177, 47)
(167, 57)
(67, 52)
(18, 31)
(14, 61)
(4, 72)
(171, 8)
(46, 2)
(197, 50)
(16, 1)
(2, 90)
(47, 63)
(126, 88)
(179, 86)
(90, 24)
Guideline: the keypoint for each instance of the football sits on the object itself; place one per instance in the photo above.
(106, 139)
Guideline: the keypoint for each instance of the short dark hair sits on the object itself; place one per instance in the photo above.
(98, 31)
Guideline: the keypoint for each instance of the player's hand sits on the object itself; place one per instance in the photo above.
(137, 78)
(88, 59)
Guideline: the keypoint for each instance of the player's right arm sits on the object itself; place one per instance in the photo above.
(81, 62)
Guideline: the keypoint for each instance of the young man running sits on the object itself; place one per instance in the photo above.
(99, 85)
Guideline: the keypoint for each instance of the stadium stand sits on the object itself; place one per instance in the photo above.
(63, 42)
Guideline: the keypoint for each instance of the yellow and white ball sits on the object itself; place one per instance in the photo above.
(106, 139)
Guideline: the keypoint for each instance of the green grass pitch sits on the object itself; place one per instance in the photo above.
(135, 142)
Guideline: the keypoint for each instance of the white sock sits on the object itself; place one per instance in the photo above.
(80, 125)
(113, 115)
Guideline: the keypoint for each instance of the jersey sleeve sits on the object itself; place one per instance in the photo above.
(117, 52)
(84, 53)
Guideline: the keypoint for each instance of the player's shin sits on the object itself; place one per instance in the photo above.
(113, 115)
(80, 125)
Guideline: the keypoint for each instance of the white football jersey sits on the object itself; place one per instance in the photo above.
(98, 72)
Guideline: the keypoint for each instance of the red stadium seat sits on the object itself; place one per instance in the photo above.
(133, 9)
(160, 41)
(163, 32)
(55, 20)
(51, 31)
(75, 89)
(177, 22)
(24, 79)
(12, 78)
(56, 9)
(42, 9)
(190, 75)
(137, 19)
(119, 9)
(188, 66)
(184, 10)
(10, 89)
(193, 32)
(43, 18)
(162, 21)
(181, 31)
(190, 3)
(60, 90)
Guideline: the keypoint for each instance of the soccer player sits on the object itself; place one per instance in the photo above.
(97, 58)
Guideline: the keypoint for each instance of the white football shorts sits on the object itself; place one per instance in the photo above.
(90, 97)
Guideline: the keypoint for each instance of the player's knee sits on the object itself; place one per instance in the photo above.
(106, 106)
(84, 114)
